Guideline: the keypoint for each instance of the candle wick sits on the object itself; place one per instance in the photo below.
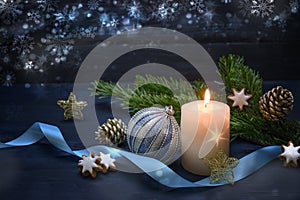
(205, 105)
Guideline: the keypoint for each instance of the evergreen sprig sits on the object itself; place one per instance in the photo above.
(247, 124)
(235, 74)
(104, 89)
(150, 91)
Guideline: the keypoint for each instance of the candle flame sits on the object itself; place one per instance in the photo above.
(206, 97)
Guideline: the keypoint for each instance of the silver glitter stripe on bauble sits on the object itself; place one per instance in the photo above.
(154, 132)
(159, 141)
(142, 134)
(135, 121)
(140, 125)
(138, 122)
(174, 149)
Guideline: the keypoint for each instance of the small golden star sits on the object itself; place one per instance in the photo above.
(72, 107)
(239, 98)
(221, 167)
(290, 154)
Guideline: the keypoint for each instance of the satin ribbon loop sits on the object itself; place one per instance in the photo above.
(154, 168)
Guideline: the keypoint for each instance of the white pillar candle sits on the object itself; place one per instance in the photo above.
(204, 131)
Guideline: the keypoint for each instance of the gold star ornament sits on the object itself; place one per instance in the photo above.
(239, 98)
(72, 107)
(221, 167)
(290, 154)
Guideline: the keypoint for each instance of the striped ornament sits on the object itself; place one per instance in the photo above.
(154, 132)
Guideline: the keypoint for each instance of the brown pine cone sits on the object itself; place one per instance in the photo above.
(276, 104)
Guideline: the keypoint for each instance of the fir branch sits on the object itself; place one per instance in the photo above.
(199, 88)
(150, 91)
(182, 90)
(143, 99)
(161, 91)
(104, 89)
(249, 124)
(254, 128)
(237, 75)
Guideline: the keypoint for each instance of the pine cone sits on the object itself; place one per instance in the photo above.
(276, 104)
(113, 132)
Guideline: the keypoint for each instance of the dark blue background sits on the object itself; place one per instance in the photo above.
(42, 172)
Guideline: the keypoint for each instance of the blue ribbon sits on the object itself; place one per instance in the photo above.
(154, 168)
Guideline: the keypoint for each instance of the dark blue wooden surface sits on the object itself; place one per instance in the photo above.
(41, 171)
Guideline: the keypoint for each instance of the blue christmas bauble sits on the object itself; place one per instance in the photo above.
(154, 132)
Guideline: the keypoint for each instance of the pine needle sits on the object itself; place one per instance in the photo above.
(161, 91)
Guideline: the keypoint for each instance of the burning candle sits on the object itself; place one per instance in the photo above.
(204, 130)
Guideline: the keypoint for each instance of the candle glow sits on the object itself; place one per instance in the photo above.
(206, 97)
(204, 131)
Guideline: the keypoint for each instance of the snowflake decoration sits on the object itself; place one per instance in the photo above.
(34, 16)
(41, 61)
(3, 49)
(197, 5)
(30, 66)
(210, 4)
(165, 11)
(114, 23)
(281, 20)
(262, 8)
(121, 3)
(128, 24)
(93, 4)
(89, 32)
(108, 23)
(294, 5)
(6, 59)
(269, 23)
(208, 16)
(134, 10)
(67, 16)
(23, 44)
(202, 13)
(104, 20)
(47, 6)
(7, 78)
(10, 10)
(78, 32)
(21, 60)
(245, 7)
(4, 34)
(59, 45)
